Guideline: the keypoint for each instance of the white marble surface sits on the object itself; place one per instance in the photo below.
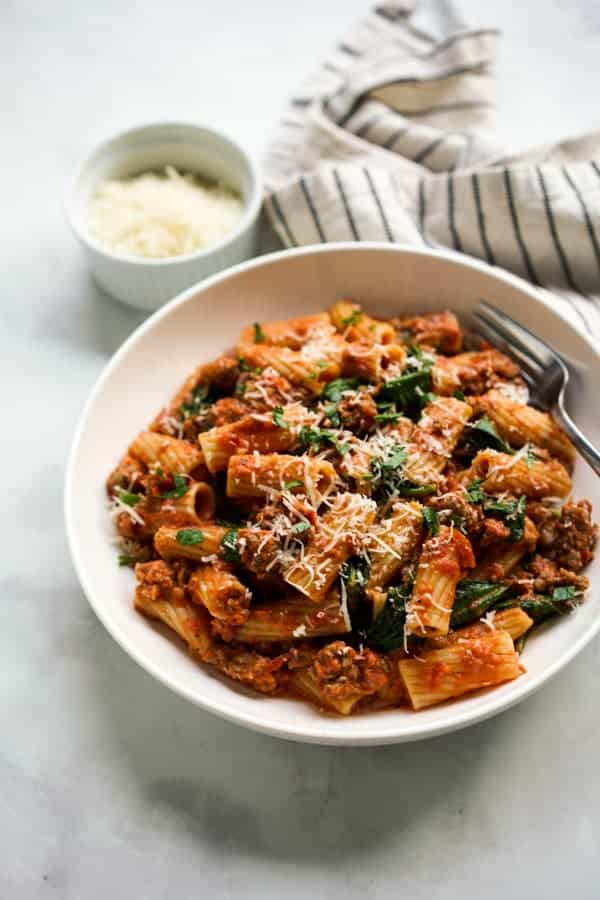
(109, 784)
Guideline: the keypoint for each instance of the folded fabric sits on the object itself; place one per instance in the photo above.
(392, 139)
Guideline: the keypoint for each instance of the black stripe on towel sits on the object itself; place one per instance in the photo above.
(366, 126)
(559, 248)
(489, 255)
(585, 211)
(422, 212)
(460, 36)
(429, 149)
(312, 209)
(301, 102)
(393, 138)
(564, 262)
(347, 210)
(348, 50)
(331, 68)
(438, 110)
(284, 222)
(452, 215)
(391, 14)
(531, 274)
(376, 198)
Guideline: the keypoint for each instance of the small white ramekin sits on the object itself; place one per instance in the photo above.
(148, 283)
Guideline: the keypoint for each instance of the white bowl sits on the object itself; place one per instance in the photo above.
(206, 319)
(148, 283)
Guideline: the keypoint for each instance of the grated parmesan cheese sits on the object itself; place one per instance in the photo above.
(158, 215)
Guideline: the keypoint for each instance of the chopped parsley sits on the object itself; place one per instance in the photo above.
(564, 592)
(229, 546)
(259, 336)
(511, 512)
(475, 492)
(459, 523)
(240, 389)
(330, 411)
(300, 527)
(334, 390)
(278, 417)
(125, 559)
(128, 497)
(386, 412)
(483, 434)
(388, 479)
(314, 438)
(289, 485)
(530, 456)
(180, 487)
(431, 520)
(412, 390)
(458, 395)
(198, 403)
(353, 319)
(189, 536)
(387, 417)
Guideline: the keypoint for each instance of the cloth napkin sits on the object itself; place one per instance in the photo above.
(392, 139)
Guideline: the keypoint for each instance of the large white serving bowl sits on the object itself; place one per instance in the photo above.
(205, 320)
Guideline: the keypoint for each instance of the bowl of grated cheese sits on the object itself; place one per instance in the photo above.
(162, 206)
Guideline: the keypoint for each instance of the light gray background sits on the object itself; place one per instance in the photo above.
(110, 786)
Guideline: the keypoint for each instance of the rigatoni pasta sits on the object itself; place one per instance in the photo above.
(359, 512)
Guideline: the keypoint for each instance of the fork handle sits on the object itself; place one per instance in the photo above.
(585, 447)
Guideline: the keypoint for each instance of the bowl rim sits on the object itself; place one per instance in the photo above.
(252, 205)
(351, 735)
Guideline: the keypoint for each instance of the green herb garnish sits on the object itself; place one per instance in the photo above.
(407, 391)
(475, 492)
(289, 485)
(198, 403)
(125, 559)
(278, 417)
(189, 536)
(180, 487)
(387, 631)
(259, 336)
(334, 390)
(530, 456)
(128, 497)
(300, 527)
(541, 607)
(353, 319)
(483, 434)
(564, 592)
(385, 417)
(473, 599)
(511, 512)
(459, 395)
(316, 437)
(354, 577)
(431, 520)
(229, 547)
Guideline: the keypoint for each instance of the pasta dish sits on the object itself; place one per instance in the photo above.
(362, 513)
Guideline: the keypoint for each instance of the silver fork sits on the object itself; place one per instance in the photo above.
(542, 368)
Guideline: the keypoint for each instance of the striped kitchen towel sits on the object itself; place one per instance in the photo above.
(392, 139)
